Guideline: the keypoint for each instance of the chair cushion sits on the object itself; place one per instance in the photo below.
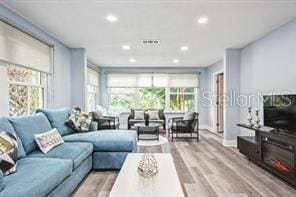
(189, 116)
(75, 151)
(36, 177)
(157, 121)
(111, 124)
(133, 121)
(107, 140)
(6, 126)
(27, 126)
(58, 118)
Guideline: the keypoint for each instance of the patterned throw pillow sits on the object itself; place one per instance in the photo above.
(79, 121)
(8, 151)
(48, 140)
(153, 114)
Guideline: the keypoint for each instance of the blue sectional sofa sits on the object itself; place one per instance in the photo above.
(58, 172)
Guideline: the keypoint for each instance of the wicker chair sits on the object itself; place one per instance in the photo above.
(184, 125)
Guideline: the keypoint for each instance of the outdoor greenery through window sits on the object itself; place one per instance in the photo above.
(26, 90)
(174, 99)
(182, 99)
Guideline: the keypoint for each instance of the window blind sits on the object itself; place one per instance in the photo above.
(22, 49)
(92, 77)
(129, 80)
(124, 80)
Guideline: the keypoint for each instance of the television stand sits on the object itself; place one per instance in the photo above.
(274, 151)
(249, 146)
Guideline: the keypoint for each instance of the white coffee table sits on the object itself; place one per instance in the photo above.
(164, 184)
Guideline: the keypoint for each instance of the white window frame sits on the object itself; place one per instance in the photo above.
(43, 84)
(96, 93)
(95, 87)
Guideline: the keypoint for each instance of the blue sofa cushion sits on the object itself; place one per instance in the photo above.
(27, 126)
(36, 177)
(76, 151)
(58, 118)
(6, 126)
(107, 140)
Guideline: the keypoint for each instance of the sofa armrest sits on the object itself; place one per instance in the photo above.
(93, 126)
(1, 181)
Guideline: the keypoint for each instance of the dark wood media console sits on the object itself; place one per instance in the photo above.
(274, 151)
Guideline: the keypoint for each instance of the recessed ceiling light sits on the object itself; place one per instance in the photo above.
(126, 47)
(111, 18)
(184, 48)
(176, 61)
(202, 20)
(132, 60)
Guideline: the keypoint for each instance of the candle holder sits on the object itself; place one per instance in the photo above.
(257, 120)
(146, 119)
(250, 124)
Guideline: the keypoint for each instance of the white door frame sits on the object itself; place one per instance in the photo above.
(214, 110)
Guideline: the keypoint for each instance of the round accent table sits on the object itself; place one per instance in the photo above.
(152, 129)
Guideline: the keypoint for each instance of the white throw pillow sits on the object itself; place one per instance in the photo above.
(139, 115)
(153, 114)
(48, 140)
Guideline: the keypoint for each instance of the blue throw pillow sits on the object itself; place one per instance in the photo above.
(58, 118)
(6, 126)
(27, 126)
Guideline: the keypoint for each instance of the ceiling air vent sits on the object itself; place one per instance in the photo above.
(150, 42)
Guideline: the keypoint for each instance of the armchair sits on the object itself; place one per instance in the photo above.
(184, 125)
(104, 122)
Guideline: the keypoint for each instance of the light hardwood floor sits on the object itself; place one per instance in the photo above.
(206, 168)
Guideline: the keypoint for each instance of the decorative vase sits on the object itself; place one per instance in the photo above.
(146, 121)
(250, 124)
(148, 166)
(257, 120)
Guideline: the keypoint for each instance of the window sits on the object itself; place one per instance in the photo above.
(123, 98)
(26, 90)
(92, 89)
(152, 98)
(27, 83)
(182, 99)
(175, 92)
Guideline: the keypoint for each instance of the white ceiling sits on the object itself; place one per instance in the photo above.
(82, 23)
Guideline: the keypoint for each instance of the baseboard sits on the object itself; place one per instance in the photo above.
(207, 127)
(230, 143)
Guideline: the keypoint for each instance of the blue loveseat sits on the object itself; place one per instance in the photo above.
(58, 172)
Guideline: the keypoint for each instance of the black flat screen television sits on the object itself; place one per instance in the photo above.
(280, 112)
